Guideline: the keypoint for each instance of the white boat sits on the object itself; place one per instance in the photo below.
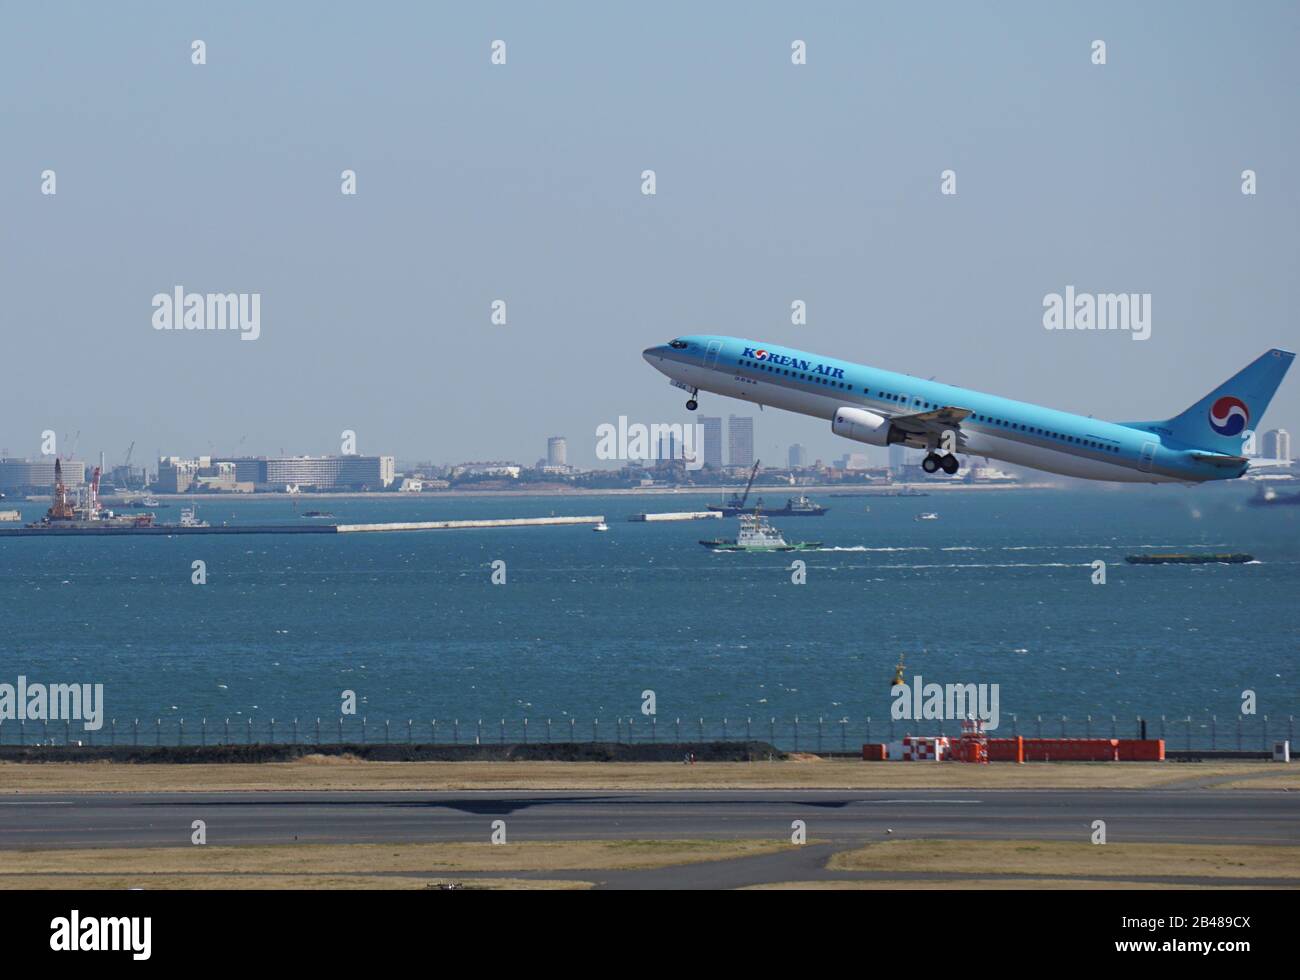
(929, 515)
(602, 526)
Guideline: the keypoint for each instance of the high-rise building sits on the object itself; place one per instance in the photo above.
(712, 440)
(740, 440)
(896, 459)
(38, 474)
(798, 457)
(557, 451)
(1277, 444)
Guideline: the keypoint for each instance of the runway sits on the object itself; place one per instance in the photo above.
(835, 820)
(159, 819)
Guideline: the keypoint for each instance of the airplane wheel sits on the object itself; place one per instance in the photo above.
(930, 464)
(950, 464)
(692, 405)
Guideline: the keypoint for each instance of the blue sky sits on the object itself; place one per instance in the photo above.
(521, 182)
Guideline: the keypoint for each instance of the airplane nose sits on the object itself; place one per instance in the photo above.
(650, 353)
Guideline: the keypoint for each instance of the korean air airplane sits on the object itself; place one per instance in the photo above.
(881, 408)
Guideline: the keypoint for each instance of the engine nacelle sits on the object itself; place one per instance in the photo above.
(862, 426)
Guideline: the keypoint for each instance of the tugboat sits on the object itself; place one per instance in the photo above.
(189, 517)
(756, 534)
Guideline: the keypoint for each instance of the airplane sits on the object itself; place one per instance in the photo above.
(883, 408)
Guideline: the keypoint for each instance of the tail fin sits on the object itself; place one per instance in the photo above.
(1219, 421)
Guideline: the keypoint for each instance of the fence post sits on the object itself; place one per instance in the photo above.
(433, 731)
(112, 732)
(595, 725)
(548, 731)
(867, 737)
(455, 731)
(387, 724)
(749, 731)
(157, 728)
(318, 731)
(796, 733)
(410, 731)
(1264, 744)
(135, 732)
(203, 731)
(525, 731)
(272, 731)
(226, 738)
(1189, 733)
(573, 730)
(819, 733)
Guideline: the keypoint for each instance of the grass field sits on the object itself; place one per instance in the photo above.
(353, 865)
(1069, 858)
(325, 773)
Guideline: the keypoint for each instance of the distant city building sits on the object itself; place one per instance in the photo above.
(557, 451)
(38, 474)
(740, 440)
(1277, 444)
(510, 470)
(278, 472)
(798, 457)
(896, 459)
(853, 461)
(712, 440)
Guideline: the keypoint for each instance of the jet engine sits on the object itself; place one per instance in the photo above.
(862, 426)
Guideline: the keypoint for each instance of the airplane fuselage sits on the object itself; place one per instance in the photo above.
(997, 428)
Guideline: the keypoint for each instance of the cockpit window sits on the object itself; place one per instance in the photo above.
(677, 344)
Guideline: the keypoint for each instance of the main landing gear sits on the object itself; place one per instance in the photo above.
(691, 403)
(933, 462)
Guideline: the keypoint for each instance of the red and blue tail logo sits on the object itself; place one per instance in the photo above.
(1229, 416)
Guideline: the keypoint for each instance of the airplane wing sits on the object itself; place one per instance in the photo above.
(936, 420)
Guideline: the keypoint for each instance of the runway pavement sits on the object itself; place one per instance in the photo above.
(842, 818)
(129, 819)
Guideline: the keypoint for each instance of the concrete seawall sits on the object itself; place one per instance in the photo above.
(452, 525)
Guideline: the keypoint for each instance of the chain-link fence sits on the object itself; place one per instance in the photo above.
(798, 734)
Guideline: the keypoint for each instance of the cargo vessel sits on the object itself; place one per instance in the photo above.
(1234, 558)
(735, 504)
